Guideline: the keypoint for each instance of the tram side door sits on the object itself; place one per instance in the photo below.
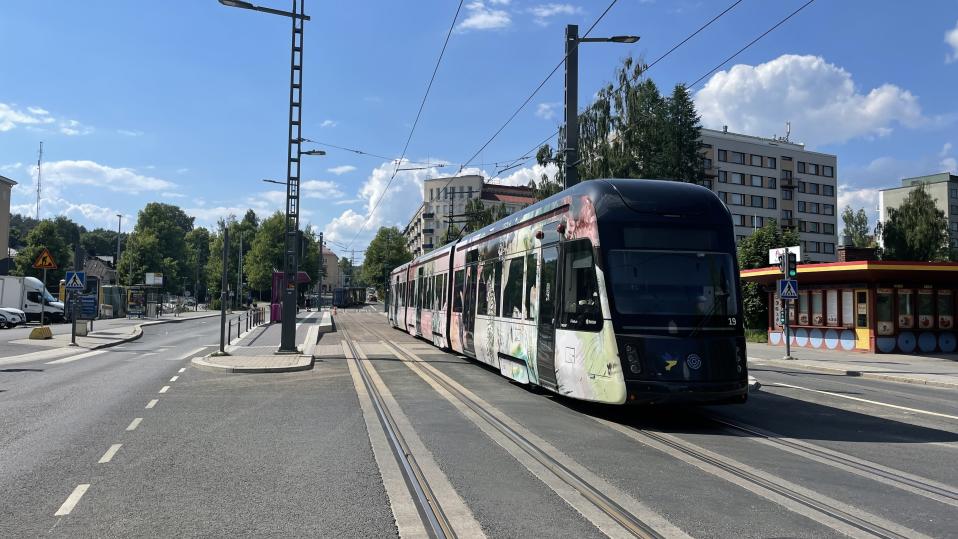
(548, 290)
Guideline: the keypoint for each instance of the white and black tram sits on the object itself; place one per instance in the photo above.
(611, 291)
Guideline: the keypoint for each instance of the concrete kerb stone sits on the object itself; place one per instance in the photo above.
(206, 363)
(884, 376)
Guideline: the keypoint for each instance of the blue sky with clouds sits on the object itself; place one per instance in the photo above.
(185, 101)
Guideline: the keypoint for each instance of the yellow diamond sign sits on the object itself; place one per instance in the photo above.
(44, 260)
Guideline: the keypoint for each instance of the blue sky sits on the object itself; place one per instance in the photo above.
(185, 101)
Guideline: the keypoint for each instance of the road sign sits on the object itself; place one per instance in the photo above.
(773, 254)
(75, 281)
(88, 307)
(44, 260)
(788, 288)
(153, 279)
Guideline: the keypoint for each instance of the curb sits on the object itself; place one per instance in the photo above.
(200, 363)
(886, 377)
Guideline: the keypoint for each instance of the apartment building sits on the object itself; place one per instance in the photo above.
(943, 187)
(442, 196)
(772, 178)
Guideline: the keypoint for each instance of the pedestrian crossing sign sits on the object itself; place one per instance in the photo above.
(44, 260)
(75, 280)
(788, 288)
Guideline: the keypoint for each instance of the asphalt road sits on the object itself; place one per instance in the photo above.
(305, 454)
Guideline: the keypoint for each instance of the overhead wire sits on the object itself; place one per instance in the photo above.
(412, 130)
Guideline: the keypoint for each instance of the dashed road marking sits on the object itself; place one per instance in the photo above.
(859, 399)
(108, 456)
(164, 389)
(135, 423)
(72, 500)
(174, 378)
(76, 357)
(152, 403)
(189, 355)
(182, 369)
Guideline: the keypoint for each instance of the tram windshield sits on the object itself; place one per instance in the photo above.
(677, 283)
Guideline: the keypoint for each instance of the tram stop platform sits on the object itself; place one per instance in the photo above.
(255, 350)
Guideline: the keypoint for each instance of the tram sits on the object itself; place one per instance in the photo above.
(349, 296)
(612, 291)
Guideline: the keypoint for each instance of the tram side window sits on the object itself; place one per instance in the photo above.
(440, 288)
(580, 291)
(460, 280)
(489, 288)
(531, 297)
(512, 295)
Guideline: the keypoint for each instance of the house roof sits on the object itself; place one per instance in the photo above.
(864, 271)
(8, 181)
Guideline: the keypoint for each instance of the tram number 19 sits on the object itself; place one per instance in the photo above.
(731, 321)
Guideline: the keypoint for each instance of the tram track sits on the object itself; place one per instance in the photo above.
(434, 519)
(629, 522)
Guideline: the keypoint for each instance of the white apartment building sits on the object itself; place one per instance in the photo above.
(766, 178)
(442, 196)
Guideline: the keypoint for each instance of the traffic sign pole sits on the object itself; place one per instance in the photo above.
(43, 300)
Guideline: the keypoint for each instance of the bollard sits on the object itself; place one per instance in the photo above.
(229, 331)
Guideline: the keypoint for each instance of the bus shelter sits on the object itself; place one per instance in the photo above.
(869, 306)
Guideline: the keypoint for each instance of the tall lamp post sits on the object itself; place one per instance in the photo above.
(571, 144)
(293, 156)
(116, 265)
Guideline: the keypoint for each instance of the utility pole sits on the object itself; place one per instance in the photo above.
(322, 270)
(223, 285)
(571, 143)
(116, 265)
(39, 173)
(239, 271)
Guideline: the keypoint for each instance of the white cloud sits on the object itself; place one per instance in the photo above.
(524, 175)
(865, 198)
(11, 117)
(74, 128)
(949, 164)
(340, 170)
(951, 38)
(480, 17)
(182, 170)
(83, 213)
(546, 111)
(543, 12)
(129, 133)
(945, 150)
(320, 189)
(59, 175)
(11, 167)
(172, 194)
(329, 123)
(820, 99)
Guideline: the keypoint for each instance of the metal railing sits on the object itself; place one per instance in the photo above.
(248, 320)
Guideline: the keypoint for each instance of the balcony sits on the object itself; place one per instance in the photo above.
(427, 231)
(429, 215)
(788, 223)
(787, 183)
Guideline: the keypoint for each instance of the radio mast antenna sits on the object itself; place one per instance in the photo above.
(39, 170)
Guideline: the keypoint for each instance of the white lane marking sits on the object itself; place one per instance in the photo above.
(877, 403)
(189, 355)
(76, 357)
(305, 318)
(148, 354)
(164, 389)
(135, 423)
(400, 501)
(108, 456)
(72, 500)
(181, 370)
(174, 378)
(152, 403)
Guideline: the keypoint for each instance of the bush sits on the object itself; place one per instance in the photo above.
(756, 335)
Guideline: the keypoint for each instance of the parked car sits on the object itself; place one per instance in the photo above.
(13, 317)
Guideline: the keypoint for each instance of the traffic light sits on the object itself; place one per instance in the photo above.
(792, 265)
(782, 261)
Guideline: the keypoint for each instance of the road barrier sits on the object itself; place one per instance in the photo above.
(249, 320)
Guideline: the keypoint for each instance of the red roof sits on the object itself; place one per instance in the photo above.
(515, 199)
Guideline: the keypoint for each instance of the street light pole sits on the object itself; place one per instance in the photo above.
(116, 265)
(293, 156)
(571, 142)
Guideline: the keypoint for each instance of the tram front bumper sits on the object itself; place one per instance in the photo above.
(648, 392)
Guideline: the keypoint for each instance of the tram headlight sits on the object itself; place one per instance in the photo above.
(632, 356)
(740, 358)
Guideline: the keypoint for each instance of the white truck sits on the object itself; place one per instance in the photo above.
(26, 294)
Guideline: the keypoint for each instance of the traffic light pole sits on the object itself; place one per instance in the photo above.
(788, 336)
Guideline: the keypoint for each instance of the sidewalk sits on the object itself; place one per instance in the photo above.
(254, 351)
(939, 370)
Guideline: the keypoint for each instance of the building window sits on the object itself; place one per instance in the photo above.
(736, 199)
(829, 248)
(802, 225)
(786, 214)
(828, 190)
(738, 157)
(828, 171)
(737, 178)
(723, 176)
(812, 226)
(755, 160)
(722, 155)
(828, 228)
(954, 193)
(738, 220)
(801, 187)
(739, 238)
(756, 201)
(771, 162)
(758, 221)
(829, 209)
(772, 203)
(801, 167)
(954, 209)
(772, 183)
(787, 194)
(813, 207)
(756, 181)
(813, 188)
(812, 168)
(787, 174)
(707, 163)
(814, 246)
(801, 206)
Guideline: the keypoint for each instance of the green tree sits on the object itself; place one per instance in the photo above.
(477, 215)
(20, 227)
(856, 226)
(753, 253)
(916, 230)
(498, 212)
(160, 247)
(266, 252)
(42, 235)
(346, 270)
(682, 155)
(68, 229)
(385, 252)
(99, 242)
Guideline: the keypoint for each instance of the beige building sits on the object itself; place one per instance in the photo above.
(444, 196)
(767, 178)
(6, 185)
(332, 278)
(943, 187)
